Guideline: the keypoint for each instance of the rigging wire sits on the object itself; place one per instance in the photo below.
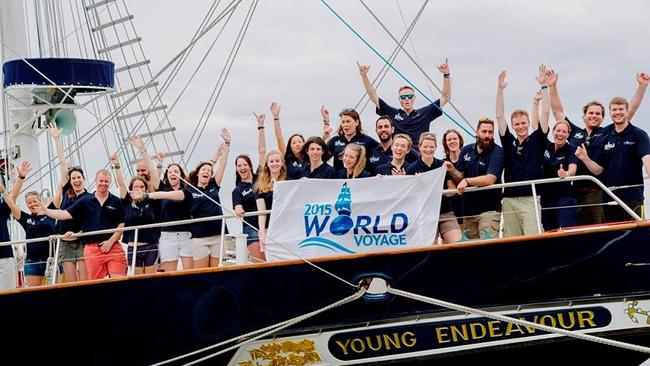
(337, 15)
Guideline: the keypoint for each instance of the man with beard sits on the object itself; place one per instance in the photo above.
(524, 157)
(407, 119)
(383, 153)
(480, 164)
(624, 151)
(589, 195)
(144, 165)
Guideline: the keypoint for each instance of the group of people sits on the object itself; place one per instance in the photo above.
(614, 154)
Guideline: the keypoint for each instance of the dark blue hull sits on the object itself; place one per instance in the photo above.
(139, 321)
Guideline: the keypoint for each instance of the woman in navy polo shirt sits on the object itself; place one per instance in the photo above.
(559, 199)
(452, 143)
(354, 162)
(316, 149)
(244, 199)
(293, 159)
(273, 171)
(348, 132)
(36, 225)
(448, 227)
(138, 212)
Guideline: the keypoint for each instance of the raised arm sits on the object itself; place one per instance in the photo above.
(327, 129)
(637, 98)
(222, 156)
(446, 83)
(119, 177)
(279, 137)
(500, 109)
(154, 176)
(261, 138)
(63, 165)
(23, 169)
(372, 93)
(534, 118)
(160, 158)
(556, 103)
(15, 211)
(594, 168)
(546, 110)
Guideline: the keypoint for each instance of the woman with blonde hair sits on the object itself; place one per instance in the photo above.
(273, 171)
(354, 162)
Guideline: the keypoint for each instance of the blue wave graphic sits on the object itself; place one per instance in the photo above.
(325, 243)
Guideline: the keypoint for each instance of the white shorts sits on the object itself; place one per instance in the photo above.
(174, 244)
(7, 274)
(208, 246)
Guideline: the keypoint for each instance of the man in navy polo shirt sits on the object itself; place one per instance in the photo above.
(625, 150)
(589, 195)
(383, 153)
(524, 157)
(101, 210)
(407, 119)
(480, 164)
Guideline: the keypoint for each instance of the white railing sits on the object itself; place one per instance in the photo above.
(532, 183)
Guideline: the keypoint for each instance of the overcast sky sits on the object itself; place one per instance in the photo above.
(299, 54)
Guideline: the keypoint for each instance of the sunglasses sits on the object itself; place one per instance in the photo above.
(406, 96)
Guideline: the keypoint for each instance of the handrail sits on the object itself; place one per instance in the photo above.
(255, 213)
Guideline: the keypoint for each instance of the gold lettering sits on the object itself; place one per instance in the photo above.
(410, 341)
(476, 335)
(440, 334)
(394, 340)
(378, 337)
(530, 329)
(344, 346)
(572, 318)
(586, 316)
(493, 328)
(362, 346)
(543, 321)
(512, 327)
(455, 332)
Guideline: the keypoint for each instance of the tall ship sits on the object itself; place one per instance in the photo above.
(578, 294)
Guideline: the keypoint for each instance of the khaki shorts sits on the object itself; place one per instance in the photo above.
(484, 226)
(447, 222)
(208, 246)
(71, 251)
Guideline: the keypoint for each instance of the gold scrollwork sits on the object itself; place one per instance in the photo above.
(632, 310)
(285, 353)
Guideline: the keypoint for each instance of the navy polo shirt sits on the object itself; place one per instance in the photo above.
(421, 167)
(457, 199)
(621, 156)
(74, 225)
(244, 195)
(473, 164)
(201, 206)
(174, 210)
(336, 146)
(413, 124)
(294, 167)
(343, 174)
(324, 171)
(593, 142)
(387, 169)
(378, 156)
(523, 161)
(5, 212)
(37, 226)
(141, 213)
(95, 216)
(564, 156)
(268, 203)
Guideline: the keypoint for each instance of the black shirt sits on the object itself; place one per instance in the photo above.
(473, 164)
(324, 171)
(343, 174)
(387, 169)
(564, 156)
(268, 203)
(244, 195)
(174, 210)
(141, 213)
(74, 225)
(593, 143)
(201, 206)
(37, 226)
(523, 161)
(378, 156)
(294, 167)
(336, 146)
(413, 124)
(95, 216)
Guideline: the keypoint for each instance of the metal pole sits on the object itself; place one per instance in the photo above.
(135, 251)
(537, 210)
(56, 260)
(222, 236)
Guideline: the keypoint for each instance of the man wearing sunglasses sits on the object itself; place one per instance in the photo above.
(407, 119)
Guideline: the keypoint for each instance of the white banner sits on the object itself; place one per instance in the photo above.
(328, 217)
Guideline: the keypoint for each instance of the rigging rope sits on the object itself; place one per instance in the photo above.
(393, 67)
(525, 323)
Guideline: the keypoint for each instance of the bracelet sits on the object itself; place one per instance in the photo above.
(21, 177)
(326, 122)
(159, 166)
(276, 118)
(467, 181)
(227, 143)
(260, 128)
(446, 76)
(535, 102)
(146, 196)
(2, 190)
(544, 87)
(116, 167)
(212, 161)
